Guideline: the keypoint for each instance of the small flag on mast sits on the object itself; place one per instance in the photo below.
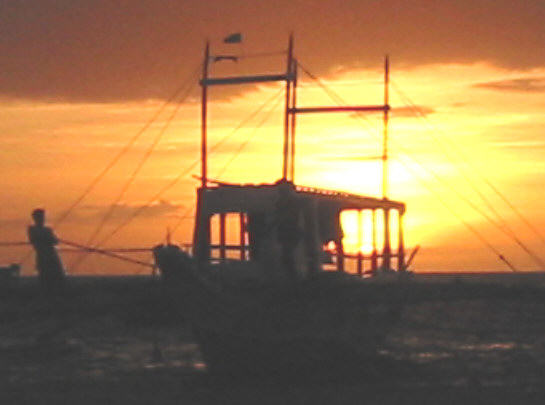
(235, 38)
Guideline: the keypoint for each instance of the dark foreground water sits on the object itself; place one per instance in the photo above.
(124, 345)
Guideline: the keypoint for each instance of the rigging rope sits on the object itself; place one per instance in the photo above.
(185, 215)
(108, 253)
(11, 244)
(454, 147)
(237, 152)
(125, 149)
(191, 209)
(462, 197)
(114, 250)
(502, 225)
(184, 172)
(471, 228)
(116, 158)
(253, 134)
(336, 98)
(131, 178)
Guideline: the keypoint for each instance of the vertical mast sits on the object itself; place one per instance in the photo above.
(385, 134)
(293, 117)
(287, 114)
(201, 234)
(387, 250)
(204, 102)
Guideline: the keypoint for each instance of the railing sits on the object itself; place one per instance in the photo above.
(357, 263)
(220, 253)
(363, 264)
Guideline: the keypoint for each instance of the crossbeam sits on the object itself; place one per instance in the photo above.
(246, 79)
(358, 108)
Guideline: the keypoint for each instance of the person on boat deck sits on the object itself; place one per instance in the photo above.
(288, 230)
(257, 229)
(331, 229)
(48, 263)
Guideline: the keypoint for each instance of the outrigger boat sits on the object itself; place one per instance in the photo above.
(281, 299)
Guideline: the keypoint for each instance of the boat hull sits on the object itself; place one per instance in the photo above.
(304, 329)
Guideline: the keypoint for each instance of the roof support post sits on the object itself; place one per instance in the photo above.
(242, 231)
(401, 244)
(374, 264)
(360, 243)
(223, 239)
(387, 249)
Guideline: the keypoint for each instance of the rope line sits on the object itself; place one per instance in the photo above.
(253, 134)
(454, 147)
(184, 216)
(458, 194)
(116, 158)
(501, 224)
(132, 177)
(11, 244)
(174, 181)
(105, 253)
(336, 98)
(470, 227)
(125, 149)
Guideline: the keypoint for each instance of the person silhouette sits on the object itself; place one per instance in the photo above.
(51, 272)
(289, 233)
(51, 276)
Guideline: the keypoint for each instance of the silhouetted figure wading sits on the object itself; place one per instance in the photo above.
(50, 274)
(48, 262)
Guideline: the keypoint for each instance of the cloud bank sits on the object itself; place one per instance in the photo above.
(524, 85)
(112, 50)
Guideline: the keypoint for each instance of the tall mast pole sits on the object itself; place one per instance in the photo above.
(387, 250)
(287, 114)
(201, 235)
(204, 102)
(293, 117)
(385, 134)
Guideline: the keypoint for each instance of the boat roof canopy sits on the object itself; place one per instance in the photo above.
(230, 197)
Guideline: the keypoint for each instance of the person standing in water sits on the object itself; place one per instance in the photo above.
(48, 263)
(51, 276)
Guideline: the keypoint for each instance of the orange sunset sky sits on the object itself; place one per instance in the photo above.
(81, 79)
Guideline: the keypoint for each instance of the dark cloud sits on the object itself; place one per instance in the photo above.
(525, 84)
(123, 211)
(107, 50)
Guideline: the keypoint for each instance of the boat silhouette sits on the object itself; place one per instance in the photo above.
(286, 297)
